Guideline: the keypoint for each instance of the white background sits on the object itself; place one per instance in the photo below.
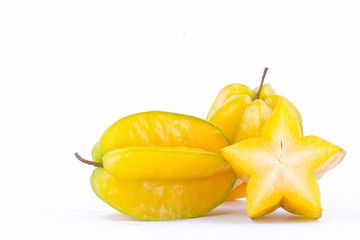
(69, 69)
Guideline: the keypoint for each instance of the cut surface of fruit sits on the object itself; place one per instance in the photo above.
(163, 184)
(240, 115)
(163, 129)
(281, 166)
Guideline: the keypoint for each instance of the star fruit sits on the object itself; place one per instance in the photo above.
(241, 112)
(161, 166)
(281, 167)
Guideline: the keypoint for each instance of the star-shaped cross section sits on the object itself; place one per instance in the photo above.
(281, 166)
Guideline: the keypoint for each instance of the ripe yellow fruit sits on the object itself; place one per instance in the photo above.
(241, 113)
(161, 166)
(281, 166)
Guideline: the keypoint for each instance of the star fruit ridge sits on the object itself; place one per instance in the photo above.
(281, 166)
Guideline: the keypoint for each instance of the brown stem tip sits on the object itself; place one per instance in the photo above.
(262, 82)
(96, 164)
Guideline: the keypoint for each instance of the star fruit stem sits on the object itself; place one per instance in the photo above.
(262, 82)
(96, 164)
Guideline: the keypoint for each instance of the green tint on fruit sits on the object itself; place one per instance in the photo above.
(95, 153)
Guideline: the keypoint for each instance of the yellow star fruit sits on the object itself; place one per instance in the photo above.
(241, 113)
(161, 166)
(281, 166)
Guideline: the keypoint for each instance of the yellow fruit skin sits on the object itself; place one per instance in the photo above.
(162, 166)
(239, 190)
(241, 116)
(229, 116)
(163, 129)
(252, 120)
(163, 184)
(281, 166)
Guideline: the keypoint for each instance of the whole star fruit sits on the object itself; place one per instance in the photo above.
(161, 166)
(281, 167)
(241, 112)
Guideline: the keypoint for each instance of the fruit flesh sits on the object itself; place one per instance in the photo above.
(163, 129)
(241, 116)
(163, 184)
(281, 166)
